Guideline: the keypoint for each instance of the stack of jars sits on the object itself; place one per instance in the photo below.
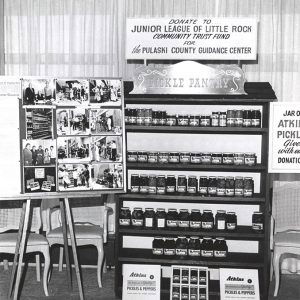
(183, 247)
(191, 185)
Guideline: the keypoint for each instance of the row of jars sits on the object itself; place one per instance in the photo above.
(193, 276)
(211, 186)
(215, 158)
(231, 118)
(189, 292)
(161, 219)
(193, 247)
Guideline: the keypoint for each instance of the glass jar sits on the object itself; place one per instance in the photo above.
(155, 117)
(181, 184)
(220, 220)
(215, 119)
(132, 116)
(161, 185)
(195, 158)
(216, 158)
(152, 184)
(172, 218)
(176, 275)
(229, 186)
(132, 156)
(256, 118)
(192, 185)
(258, 221)
(205, 121)
(183, 218)
(239, 186)
(220, 248)
(140, 116)
(171, 120)
(185, 157)
(194, 276)
(206, 158)
(221, 186)
(184, 275)
(125, 217)
(227, 158)
(142, 156)
(144, 183)
(194, 247)
(163, 157)
(169, 247)
(202, 293)
(247, 118)
(162, 118)
(160, 218)
(158, 246)
(231, 220)
(195, 219)
(207, 247)
(126, 116)
(212, 186)
(202, 278)
(207, 220)
(152, 157)
(149, 217)
(238, 122)
(135, 183)
(185, 292)
(182, 246)
(203, 185)
(174, 157)
(137, 218)
(238, 159)
(230, 120)
(194, 121)
(171, 184)
(248, 186)
(148, 117)
(193, 292)
(183, 120)
(250, 159)
(176, 290)
(223, 119)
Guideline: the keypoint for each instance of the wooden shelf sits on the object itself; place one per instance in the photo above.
(242, 232)
(195, 167)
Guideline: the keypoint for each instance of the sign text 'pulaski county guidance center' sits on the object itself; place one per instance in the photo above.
(191, 38)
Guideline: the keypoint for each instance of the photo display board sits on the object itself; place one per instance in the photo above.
(71, 135)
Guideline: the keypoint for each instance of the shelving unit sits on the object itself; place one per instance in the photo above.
(39, 124)
(258, 95)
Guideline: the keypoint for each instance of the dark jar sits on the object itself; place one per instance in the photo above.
(171, 184)
(227, 158)
(207, 247)
(222, 119)
(135, 183)
(207, 220)
(205, 121)
(195, 158)
(230, 118)
(149, 217)
(176, 290)
(185, 292)
(174, 157)
(140, 116)
(238, 159)
(220, 220)
(144, 183)
(183, 120)
(125, 216)
(163, 157)
(142, 156)
(161, 185)
(148, 117)
(182, 246)
(256, 118)
(206, 158)
(231, 221)
(137, 218)
(203, 185)
(195, 219)
(248, 186)
(185, 157)
(212, 186)
(238, 121)
(182, 184)
(192, 185)
(194, 121)
(126, 116)
(169, 247)
(194, 246)
(239, 186)
(158, 246)
(194, 278)
(160, 218)
(216, 158)
(152, 157)
(183, 218)
(229, 186)
(215, 119)
(221, 186)
(132, 156)
(172, 218)
(250, 159)
(152, 184)
(220, 248)
(162, 118)
(132, 116)
(155, 117)
(171, 120)
(258, 221)
(247, 118)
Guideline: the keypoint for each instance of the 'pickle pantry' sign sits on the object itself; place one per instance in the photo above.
(284, 138)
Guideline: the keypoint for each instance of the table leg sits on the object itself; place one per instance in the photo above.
(14, 267)
(22, 249)
(65, 236)
(73, 244)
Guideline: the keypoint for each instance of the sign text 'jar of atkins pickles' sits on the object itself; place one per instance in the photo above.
(172, 218)
(125, 217)
(169, 247)
(194, 246)
(195, 219)
(207, 249)
(137, 218)
(220, 248)
(149, 217)
(183, 218)
(160, 218)
(158, 246)
(135, 183)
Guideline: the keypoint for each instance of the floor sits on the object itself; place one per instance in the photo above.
(58, 289)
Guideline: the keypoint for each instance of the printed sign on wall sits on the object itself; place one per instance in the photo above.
(284, 138)
(141, 282)
(192, 38)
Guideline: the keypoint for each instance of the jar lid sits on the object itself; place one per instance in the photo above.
(248, 178)
(160, 209)
(221, 211)
(172, 176)
(217, 153)
(152, 175)
(183, 210)
(149, 208)
(181, 176)
(181, 237)
(144, 175)
(195, 153)
(124, 208)
(229, 177)
(194, 238)
(195, 210)
(158, 238)
(173, 153)
(212, 177)
(257, 213)
(170, 239)
(152, 152)
(207, 211)
(220, 238)
(163, 153)
(206, 153)
(207, 238)
(238, 178)
(172, 209)
(203, 177)
(215, 112)
(223, 113)
(250, 153)
(228, 154)
(221, 177)
(161, 176)
(135, 175)
(239, 154)
(142, 152)
(185, 153)
(192, 176)
(231, 213)
(137, 208)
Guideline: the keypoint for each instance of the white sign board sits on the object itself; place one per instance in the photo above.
(192, 38)
(141, 282)
(284, 137)
(241, 284)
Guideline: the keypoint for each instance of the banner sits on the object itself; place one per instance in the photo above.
(284, 138)
(192, 38)
(141, 282)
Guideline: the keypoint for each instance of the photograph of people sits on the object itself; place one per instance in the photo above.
(62, 122)
(73, 150)
(105, 120)
(39, 123)
(38, 152)
(72, 92)
(79, 121)
(103, 91)
(74, 177)
(106, 176)
(38, 91)
(106, 149)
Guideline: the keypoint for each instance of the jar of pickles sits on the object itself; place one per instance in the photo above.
(144, 183)
(162, 118)
(155, 117)
(183, 120)
(158, 246)
(171, 120)
(137, 218)
(247, 118)
(148, 117)
(172, 218)
(212, 186)
(221, 186)
(149, 217)
(135, 183)
(184, 218)
(229, 186)
(142, 156)
(163, 157)
(216, 158)
(125, 217)
(203, 185)
(207, 249)
(182, 246)
(258, 221)
(174, 157)
(194, 121)
(223, 119)
(206, 158)
(231, 221)
(185, 157)
(195, 219)
(152, 157)
(248, 186)
(192, 185)
(161, 185)
(250, 159)
(220, 248)
(152, 184)
(239, 186)
(207, 220)
(205, 121)
(227, 158)
(215, 119)
(171, 184)
(238, 159)
(194, 246)
(220, 220)
(160, 218)
(181, 184)
(169, 247)
(256, 118)
(195, 158)
(132, 156)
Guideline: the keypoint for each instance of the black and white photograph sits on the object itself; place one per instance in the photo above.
(39, 123)
(74, 177)
(39, 179)
(105, 92)
(106, 148)
(72, 92)
(79, 121)
(39, 152)
(73, 150)
(106, 121)
(106, 176)
(38, 92)
(62, 122)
